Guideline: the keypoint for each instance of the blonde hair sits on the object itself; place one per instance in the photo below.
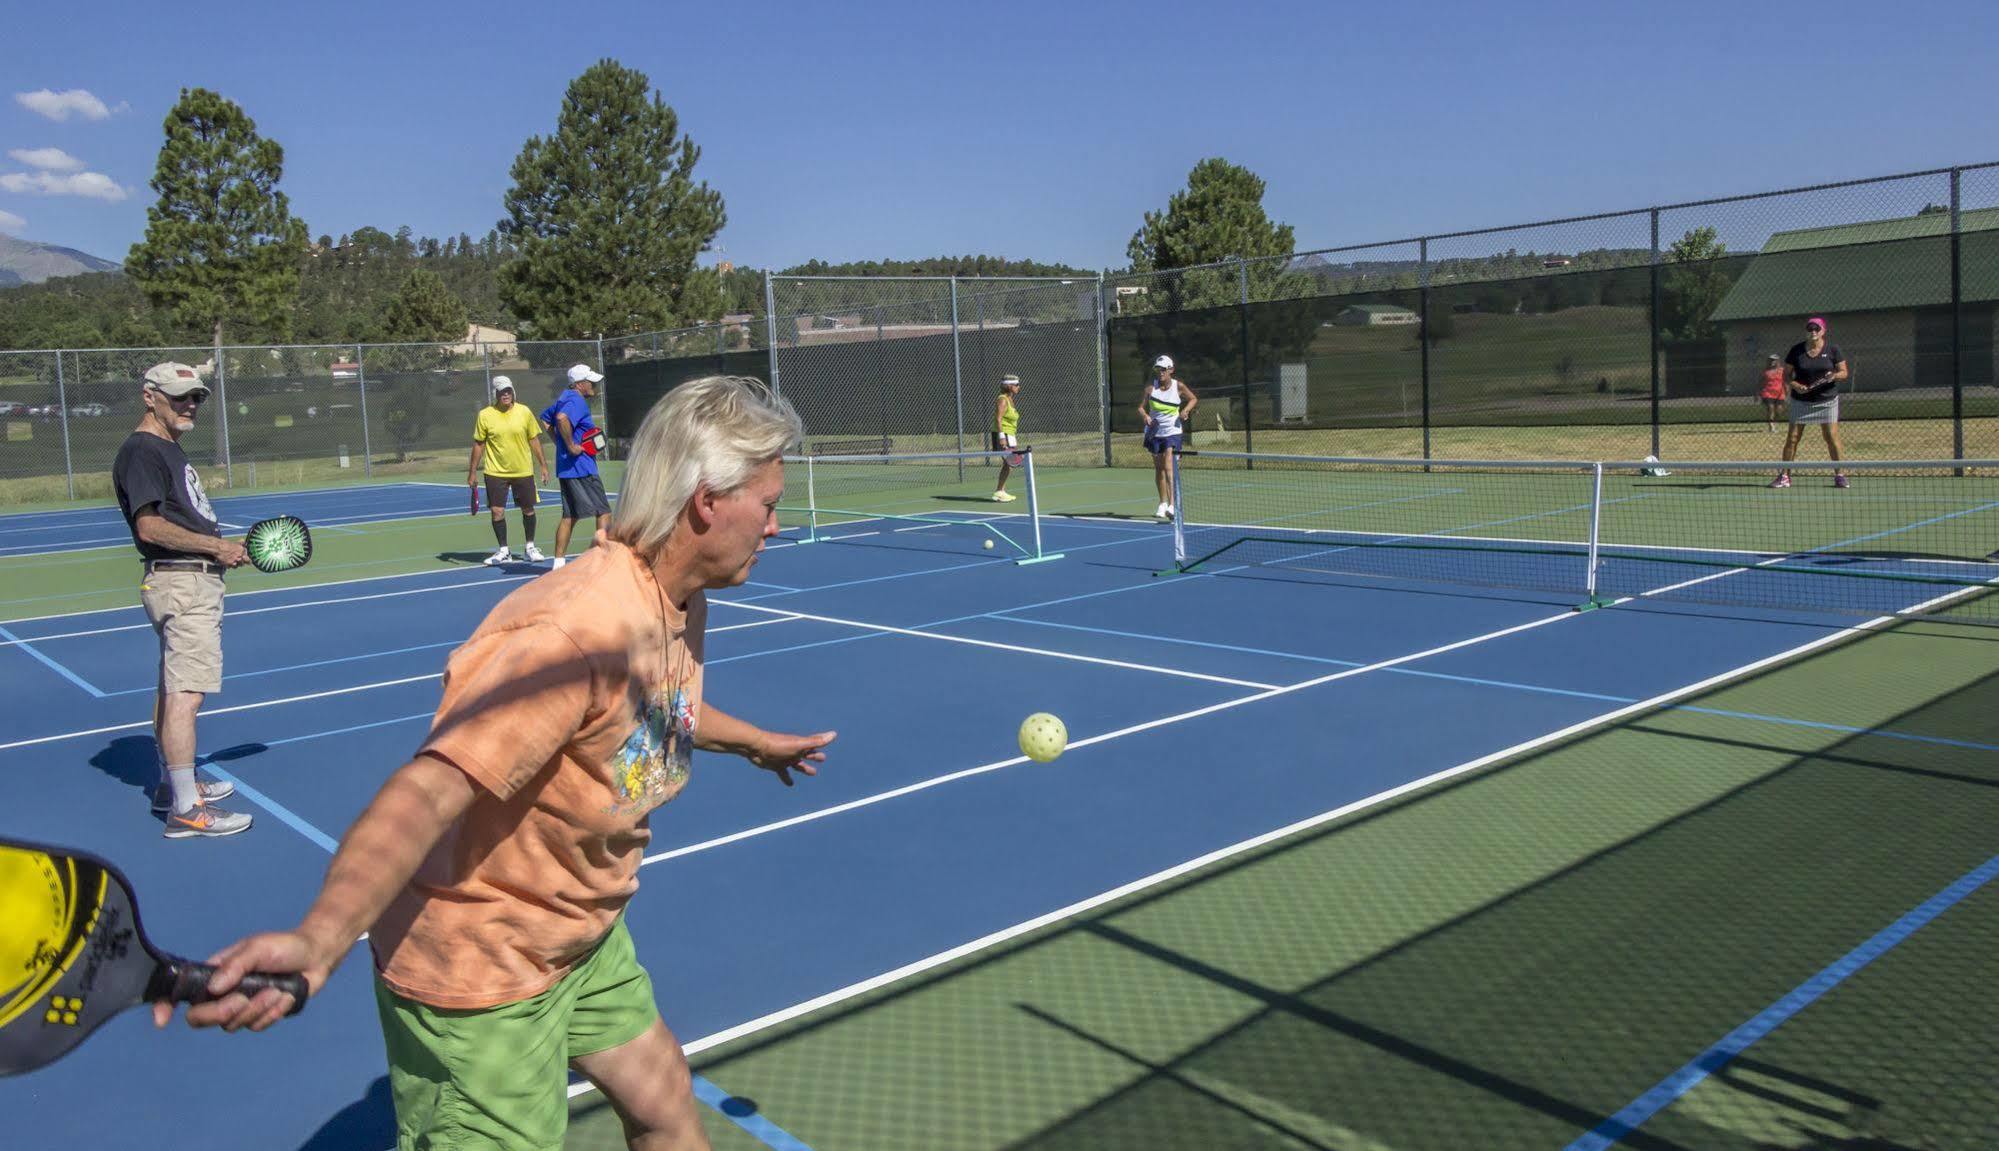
(713, 431)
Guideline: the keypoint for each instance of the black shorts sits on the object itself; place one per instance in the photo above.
(584, 496)
(497, 488)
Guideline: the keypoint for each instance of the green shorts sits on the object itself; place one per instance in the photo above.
(497, 1077)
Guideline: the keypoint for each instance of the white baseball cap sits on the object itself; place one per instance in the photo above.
(1163, 362)
(172, 379)
(582, 372)
(502, 384)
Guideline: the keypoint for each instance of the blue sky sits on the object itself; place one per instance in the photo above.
(1028, 129)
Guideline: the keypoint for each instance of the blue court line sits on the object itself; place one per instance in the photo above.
(744, 1114)
(285, 814)
(1668, 1090)
(52, 665)
(302, 666)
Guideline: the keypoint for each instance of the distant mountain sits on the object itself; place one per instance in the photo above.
(26, 262)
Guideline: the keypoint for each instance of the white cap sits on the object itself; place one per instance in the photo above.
(502, 384)
(1163, 362)
(582, 372)
(172, 379)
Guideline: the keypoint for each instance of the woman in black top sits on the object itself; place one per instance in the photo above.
(1812, 374)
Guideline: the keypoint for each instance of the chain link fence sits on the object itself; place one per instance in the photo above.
(1621, 334)
(1632, 333)
(278, 416)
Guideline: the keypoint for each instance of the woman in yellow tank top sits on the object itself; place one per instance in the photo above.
(1006, 422)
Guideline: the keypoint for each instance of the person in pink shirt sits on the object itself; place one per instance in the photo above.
(492, 870)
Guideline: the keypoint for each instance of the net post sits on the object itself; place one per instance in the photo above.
(1595, 532)
(1179, 515)
(811, 502)
(1034, 512)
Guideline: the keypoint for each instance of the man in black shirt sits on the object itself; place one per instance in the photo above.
(176, 532)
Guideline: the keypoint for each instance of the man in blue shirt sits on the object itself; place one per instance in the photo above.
(568, 419)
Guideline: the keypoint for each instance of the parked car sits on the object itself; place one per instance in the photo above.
(10, 408)
(91, 409)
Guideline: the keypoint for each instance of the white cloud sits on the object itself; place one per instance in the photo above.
(90, 185)
(61, 105)
(53, 159)
(10, 222)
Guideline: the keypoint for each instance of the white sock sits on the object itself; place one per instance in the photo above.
(187, 793)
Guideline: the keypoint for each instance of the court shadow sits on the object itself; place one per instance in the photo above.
(131, 760)
(476, 559)
(369, 1121)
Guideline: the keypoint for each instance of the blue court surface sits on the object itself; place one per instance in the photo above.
(332, 509)
(1203, 710)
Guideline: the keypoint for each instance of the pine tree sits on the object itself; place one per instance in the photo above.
(221, 244)
(606, 216)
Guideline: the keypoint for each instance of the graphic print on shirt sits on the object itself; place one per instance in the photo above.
(191, 479)
(652, 766)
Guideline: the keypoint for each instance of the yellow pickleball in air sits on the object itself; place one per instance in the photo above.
(1042, 737)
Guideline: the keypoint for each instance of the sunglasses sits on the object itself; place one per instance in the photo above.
(196, 398)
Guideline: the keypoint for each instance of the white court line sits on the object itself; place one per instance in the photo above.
(1050, 653)
(276, 607)
(757, 623)
(40, 739)
(1028, 926)
(1181, 717)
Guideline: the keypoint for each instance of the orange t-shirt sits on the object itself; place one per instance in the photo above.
(1773, 383)
(573, 710)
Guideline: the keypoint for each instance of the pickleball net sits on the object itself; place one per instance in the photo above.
(1903, 538)
(915, 501)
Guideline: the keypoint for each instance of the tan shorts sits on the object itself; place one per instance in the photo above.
(186, 610)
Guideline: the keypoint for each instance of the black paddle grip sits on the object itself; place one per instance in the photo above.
(189, 984)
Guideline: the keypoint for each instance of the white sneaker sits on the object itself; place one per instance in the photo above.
(559, 561)
(498, 557)
(534, 554)
(1169, 511)
(205, 820)
(1163, 511)
(1003, 497)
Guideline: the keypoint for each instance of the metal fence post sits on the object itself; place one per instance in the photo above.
(1242, 326)
(1956, 324)
(1423, 304)
(486, 362)
(1654, 357)
(957, 375)
(1103, 320)
(770, 332)
(222, 426)
(367, 447)
(62, 402)
(605, 413)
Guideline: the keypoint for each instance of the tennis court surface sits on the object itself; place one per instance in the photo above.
(1366, 836)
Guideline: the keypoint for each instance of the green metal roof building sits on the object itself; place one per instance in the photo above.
(1884, 288)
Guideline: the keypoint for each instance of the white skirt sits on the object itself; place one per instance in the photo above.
(1824, 411)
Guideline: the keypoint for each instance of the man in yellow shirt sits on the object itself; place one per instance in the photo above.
(507, 438)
